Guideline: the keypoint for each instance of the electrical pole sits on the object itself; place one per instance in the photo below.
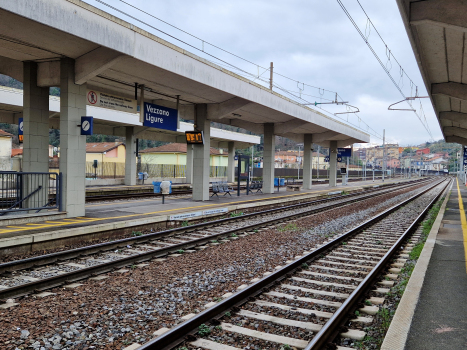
(317, 170)
(252, 164)
(384, 152)
(270, 76)
(410, 163)
(298, 174)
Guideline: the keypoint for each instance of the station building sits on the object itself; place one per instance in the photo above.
(96, 58)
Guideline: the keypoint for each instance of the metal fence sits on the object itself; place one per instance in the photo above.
(105, 170)
(21, 191)
(174, 171)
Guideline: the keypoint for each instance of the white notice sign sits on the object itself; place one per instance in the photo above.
(184, 216)
(110, 101)
(215, 211)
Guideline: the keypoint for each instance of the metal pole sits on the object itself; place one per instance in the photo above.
(373, 170)
(347, 172)
(271, 76)
(410, 164)
(384, 153)
(317, 170)
(252, 164)
(298, 174)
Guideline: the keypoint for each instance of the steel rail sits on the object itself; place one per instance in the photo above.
(174, 193)
(330, 329)
(54, 281)
(177, 334)
(36, 261)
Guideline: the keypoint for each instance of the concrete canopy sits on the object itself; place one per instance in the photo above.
(111, 55)
(110, 122)
(436, 29)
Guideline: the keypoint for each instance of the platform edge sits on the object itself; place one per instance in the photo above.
(398, 332)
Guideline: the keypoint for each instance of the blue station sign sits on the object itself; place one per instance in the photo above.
(20, 130)
(344, 152)
(160, 117)
(465, 155)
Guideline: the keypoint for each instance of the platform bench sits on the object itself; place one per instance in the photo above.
(294, 188)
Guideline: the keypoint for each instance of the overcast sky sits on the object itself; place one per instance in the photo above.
(312, 42)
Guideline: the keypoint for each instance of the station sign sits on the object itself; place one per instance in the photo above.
(465, 155)
(159, 117)
(87, 124)
(343, 171)
(20, 130)
(344, 152)
(110, 101)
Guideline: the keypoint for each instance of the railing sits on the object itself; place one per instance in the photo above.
(21, 191)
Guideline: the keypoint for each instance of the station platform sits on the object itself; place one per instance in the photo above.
(432, 312)
(440, 316)
(128, 215)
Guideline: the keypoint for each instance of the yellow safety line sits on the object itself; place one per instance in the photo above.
(463, 222)
(65, 222)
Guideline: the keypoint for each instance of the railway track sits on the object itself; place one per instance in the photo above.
(109, 197)
(307, 303)
(34, 274)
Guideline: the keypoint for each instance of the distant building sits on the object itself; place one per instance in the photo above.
(292, 159)
(422, 151)
(393, 163)
(105, 152)
(175, 154)
(5, 150)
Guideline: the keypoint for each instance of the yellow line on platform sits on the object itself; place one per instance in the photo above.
(71, 221)
(463, 222)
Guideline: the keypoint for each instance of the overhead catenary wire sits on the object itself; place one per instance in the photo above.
(201, 40)
(226, 63)
(384, 66)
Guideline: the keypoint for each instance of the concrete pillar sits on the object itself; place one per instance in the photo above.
(189, 164)
(36, 137)
(35, 122)
(231, 163)
(333, 164)
(268, 158)
(72, 144)
(201, 154)
(130, 157)
(307, 158)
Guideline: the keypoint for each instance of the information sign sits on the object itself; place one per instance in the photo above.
(20, 130)
(344, 152)
(110, 101)
(343, 171)
(465, 155)
(160, 117)
(194, 137)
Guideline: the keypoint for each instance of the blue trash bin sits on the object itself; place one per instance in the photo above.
(282, 182)
(276, 181)
(157, 186)
(140, 176)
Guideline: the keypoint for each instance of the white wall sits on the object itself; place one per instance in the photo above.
(5, 153)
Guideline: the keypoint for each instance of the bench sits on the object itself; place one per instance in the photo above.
(294, 188)
(256, 185)
(221, 187)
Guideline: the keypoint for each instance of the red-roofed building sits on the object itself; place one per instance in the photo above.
(422, 151)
